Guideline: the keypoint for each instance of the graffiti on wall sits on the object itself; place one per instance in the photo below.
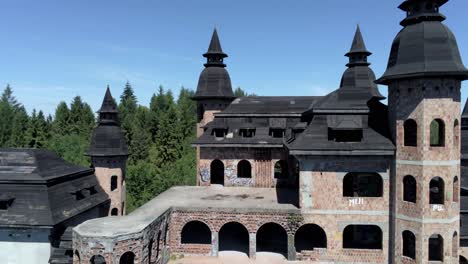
(204, 174)
(231, 174)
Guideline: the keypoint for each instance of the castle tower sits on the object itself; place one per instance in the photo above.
(214, 90)
(109, 153)
(423, 76)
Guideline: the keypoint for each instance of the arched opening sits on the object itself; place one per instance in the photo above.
(281, 169)
(410, 128)
(127, 258)
(456, 189)
(196, 232)
(362, 185)
(234, 237)
(272, 237)
(463, 260)
(362, 237)
(217, 172)
(76, 257)
(456, 133)
(97, 259)
(244, 169)
(115, 211)
(158, 245)
(113, 183)
(436, 191)
(436, 248)
(409, 189)
(150, 251)
(455, 245)
(437, 133)
(409, 244)
(309, 237)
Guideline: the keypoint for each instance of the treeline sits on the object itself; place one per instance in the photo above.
(159, 136)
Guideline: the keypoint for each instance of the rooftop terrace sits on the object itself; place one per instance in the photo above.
(241, 199)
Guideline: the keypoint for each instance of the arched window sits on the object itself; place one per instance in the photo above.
(196, 232)
(409, 244)
(410, 133)
(362, 237)
(150, 251)
(463, 260)
(437, 133)
(409, 189)
(456, 189)
(272, 237)
(113, 183)
(436, 248)
(456, 133)
(127, 258)
(309, 237)
(217, 172)
(281, 169)
(436, 191)
(98, 259)
(234, 237)
(362, 185)
(455, 245)
(244, 169)
(115, 211)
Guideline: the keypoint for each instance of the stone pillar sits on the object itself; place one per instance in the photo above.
(291, 248)
(252, 245)
(214, 244)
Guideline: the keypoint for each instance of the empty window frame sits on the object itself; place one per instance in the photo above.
(357, 184)
(247, 132)
(410, 128)
(345, 135)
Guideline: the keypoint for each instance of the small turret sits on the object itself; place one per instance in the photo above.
(109, 152)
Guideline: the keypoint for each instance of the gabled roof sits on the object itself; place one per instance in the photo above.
(42, 187)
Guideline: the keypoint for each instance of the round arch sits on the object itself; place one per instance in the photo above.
(195, 232)
(97, 259)
(217, 172)
(233, 236)
(127, 258)
(309, 237)
(272, 237)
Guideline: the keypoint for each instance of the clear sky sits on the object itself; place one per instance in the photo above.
(52, 50)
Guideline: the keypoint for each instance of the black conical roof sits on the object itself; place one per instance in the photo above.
(108, 138)
(108, 104)
(358, 45)
(215, 47)
(214, 81)
(425, 47)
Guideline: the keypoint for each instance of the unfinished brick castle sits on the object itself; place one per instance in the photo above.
(341, 178)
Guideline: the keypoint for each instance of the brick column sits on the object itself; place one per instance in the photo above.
(252, 245)
(291, 248)
(214, 244)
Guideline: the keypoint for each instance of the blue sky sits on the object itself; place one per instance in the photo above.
(52, 50)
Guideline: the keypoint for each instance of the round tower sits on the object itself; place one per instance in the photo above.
(214, 90)
(424, 76)
(109, 153)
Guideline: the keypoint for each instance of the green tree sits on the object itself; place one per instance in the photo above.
(36, 133)
(8, 106)
(81, 118)
(187, 112)
(61, 123)
(71, 148)
(19, 128)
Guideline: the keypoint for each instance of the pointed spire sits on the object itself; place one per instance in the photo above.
(108, 104)
(215, 54)
(358, 53)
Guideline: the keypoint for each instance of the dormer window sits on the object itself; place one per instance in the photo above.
(345, 135)
(219, 132)
(277, 132)
(247, 132)
(92, 190)
(79, 195)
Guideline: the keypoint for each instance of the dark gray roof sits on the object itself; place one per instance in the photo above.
(108, 104)
(424, 47)
(107, 138)
(42, 188)
(358, 45)
(214, 81)
(270, 105)
(314, 140)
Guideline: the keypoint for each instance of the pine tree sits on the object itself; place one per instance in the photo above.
(19, 128)
(127, 108)
(8, 106)
(141, 141)
(187, 112)
(81, 118)
(61, 123)
(8, 97)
